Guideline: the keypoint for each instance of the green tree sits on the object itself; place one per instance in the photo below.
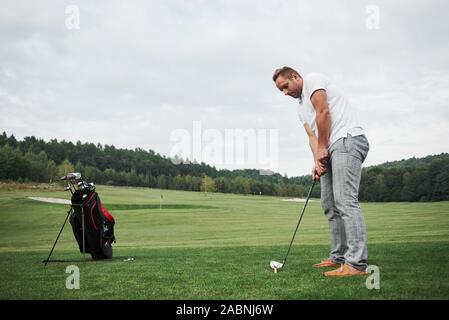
(208, 184)
(408, 187)
(37, 166)
(65, 167)
(13, 165)
(51, 171)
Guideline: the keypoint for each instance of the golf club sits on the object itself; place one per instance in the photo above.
(74, 181)
(277, 265)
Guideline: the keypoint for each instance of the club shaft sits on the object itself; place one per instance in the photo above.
(299, 221)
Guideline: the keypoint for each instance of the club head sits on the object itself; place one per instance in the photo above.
(72, 176)
(75, 175)
(276, 265)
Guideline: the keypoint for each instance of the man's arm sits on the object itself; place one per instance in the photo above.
(318, 169)
(313, 141)
(323, 122)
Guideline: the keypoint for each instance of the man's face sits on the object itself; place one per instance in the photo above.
(290, 86)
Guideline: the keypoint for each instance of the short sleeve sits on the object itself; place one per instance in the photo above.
(315, 81)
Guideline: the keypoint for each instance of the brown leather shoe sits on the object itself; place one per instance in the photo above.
(345, 270)
(327, 263)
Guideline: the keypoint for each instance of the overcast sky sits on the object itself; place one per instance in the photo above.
(136, 73)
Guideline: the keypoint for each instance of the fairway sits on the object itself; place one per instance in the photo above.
(217, 246)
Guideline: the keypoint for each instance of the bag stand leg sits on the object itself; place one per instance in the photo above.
(54, 245)
(84, 238)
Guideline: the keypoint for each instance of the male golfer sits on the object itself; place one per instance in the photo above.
(339, 147)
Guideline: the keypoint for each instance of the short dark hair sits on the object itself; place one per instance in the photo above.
(284, 72)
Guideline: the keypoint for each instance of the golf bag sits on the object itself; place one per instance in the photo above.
(98, 223)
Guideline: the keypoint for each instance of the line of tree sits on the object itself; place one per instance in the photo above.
(33, 159)
(414, 179)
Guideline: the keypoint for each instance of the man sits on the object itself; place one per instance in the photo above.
(339, 147)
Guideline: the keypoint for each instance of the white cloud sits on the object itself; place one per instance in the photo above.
(136, 71)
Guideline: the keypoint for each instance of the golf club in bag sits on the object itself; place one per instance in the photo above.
(92, 224)
(277, 265)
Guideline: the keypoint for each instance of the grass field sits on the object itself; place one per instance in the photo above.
(217, 246)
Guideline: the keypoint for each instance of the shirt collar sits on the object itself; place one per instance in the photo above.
(301, 97)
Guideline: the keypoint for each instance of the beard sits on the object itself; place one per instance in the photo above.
(296, 95)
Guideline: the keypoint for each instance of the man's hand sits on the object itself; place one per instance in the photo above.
(318, 170)
(322, 155)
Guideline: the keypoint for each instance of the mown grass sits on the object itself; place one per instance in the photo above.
(217, 246)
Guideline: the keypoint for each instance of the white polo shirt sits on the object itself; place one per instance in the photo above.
(344, 118)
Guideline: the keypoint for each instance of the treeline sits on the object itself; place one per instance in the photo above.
(415, 179)
(32, 159)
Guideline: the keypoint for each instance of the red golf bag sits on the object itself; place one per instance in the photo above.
(98, 224)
